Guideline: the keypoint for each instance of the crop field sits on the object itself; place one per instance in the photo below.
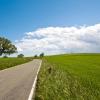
(69, 77)
(10, 62)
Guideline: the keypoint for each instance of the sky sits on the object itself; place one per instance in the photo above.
(51, 26)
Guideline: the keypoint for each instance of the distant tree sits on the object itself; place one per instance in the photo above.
(20, 56)
(5, 56)
(6, 47)
(35, 56)
(42, 55)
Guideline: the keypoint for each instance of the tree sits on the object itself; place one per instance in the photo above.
(20, 56)
(6, 47)
(42, 55)
(5, 56)
(35, 56)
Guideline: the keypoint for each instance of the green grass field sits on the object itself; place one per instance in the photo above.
(10, 62)
(69, 77)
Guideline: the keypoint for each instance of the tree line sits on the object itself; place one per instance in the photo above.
(8, 48)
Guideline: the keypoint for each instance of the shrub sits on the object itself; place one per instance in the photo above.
(5, 56)
(20, 56)
(35, 56)
(42, 55)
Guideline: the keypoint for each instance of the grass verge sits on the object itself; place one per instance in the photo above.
(10, 62)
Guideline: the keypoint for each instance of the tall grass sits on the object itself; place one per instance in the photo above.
(72, 77)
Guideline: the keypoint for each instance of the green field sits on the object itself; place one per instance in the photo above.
(10, 62)
(69, 77)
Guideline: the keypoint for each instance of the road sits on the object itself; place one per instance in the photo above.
(16, 82)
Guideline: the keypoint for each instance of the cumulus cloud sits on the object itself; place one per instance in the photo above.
(54, 40)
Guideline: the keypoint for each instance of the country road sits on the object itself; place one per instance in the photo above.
(16, 82)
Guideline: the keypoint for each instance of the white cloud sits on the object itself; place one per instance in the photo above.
(62, 39)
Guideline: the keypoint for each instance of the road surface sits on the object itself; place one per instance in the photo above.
(16, 82)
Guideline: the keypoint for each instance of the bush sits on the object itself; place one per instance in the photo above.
(5, 57)
(35, 56)
(20, 56)
(42, 55)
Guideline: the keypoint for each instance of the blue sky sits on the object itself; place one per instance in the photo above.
(20, 16)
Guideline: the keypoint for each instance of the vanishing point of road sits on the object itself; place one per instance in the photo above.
(16, 82)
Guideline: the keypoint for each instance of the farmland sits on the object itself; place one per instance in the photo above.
(69, 77)
(10, 62)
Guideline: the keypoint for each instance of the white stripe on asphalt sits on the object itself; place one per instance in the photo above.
(34, 84)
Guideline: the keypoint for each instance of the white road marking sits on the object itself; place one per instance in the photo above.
(34, 84)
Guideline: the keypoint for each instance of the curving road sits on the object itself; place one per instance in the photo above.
(16, 82)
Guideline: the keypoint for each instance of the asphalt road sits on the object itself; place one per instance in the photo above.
(16, 82)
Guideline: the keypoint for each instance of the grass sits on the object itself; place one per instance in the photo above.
(69, 77)
(10, 62)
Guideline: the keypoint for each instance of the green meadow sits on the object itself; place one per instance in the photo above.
(10, 62)
(69, 77)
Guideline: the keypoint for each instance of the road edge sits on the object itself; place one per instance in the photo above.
(34, 84)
